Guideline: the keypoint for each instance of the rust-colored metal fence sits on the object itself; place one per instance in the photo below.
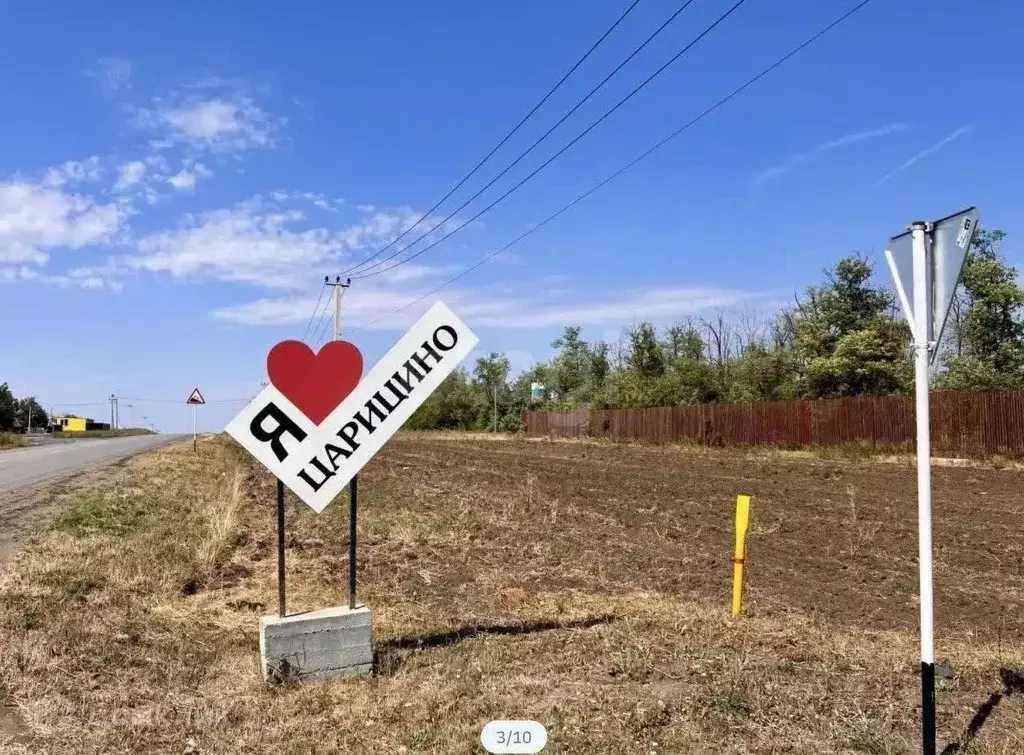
(963, 423)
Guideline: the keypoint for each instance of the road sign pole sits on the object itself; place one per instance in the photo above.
(195, 427)
(280, 550)
(922, 315)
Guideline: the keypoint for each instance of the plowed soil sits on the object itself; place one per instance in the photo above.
(836, 539)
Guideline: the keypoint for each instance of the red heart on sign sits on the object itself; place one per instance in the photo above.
(315, 383)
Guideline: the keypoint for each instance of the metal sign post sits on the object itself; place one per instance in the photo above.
(196, 400)
(314, 427)
(926, 263)
(280, 551)
(353, 507)
(924, 489)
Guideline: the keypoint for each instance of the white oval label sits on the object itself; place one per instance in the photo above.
(514, 737)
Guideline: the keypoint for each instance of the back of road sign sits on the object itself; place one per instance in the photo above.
(196, 398)
(951, 238)
(946, 246)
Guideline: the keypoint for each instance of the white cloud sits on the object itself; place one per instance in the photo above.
(183, 180)
(373, 306)
(83, 279)
(925, 153)
(260, 244)
(113, 73)
(9, 274)
(73, 279)
(186, 178)
(35, 219)
(777, 171)
(219, 124)
(319, 200)
(235, 245)
(861, 136)
(73, 172)
(129, 174)
(652, 303)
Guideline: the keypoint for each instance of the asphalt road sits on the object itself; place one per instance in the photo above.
(22, 467)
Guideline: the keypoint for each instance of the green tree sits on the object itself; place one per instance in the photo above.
(763, 374)
(989, 332)
(645, 356)
(568, 371)
(599, 364)
(847, 340)
(450, 407)
(30, 408)
(8, 408)
(491, 373)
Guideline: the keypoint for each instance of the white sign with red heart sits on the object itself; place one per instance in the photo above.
(317, 423)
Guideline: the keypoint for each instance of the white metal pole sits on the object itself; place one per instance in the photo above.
(195, 427)
(922, 318)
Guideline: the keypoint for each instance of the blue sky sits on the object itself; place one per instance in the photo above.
(177, 178)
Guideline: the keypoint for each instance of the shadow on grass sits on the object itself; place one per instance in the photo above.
(388, 656)
(1013, 683)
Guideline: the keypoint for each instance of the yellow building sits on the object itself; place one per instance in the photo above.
(71, 423)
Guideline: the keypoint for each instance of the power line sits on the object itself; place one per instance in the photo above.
(647, 153)
(580, 103)
(315, 308)
(558, 154)
(318, 328)
(507, 136)
(318, 339)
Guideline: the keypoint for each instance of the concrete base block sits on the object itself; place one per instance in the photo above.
(317, 645)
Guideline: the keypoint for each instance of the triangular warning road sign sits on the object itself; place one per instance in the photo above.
(946, 244)
(196, 398)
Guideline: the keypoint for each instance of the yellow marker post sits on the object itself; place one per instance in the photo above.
(742, 519)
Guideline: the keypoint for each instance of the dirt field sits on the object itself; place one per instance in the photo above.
(836, 539)
(585, 585)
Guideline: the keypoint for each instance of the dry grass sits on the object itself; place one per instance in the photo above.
(123, 432)
(132, 627)
(13, 440)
